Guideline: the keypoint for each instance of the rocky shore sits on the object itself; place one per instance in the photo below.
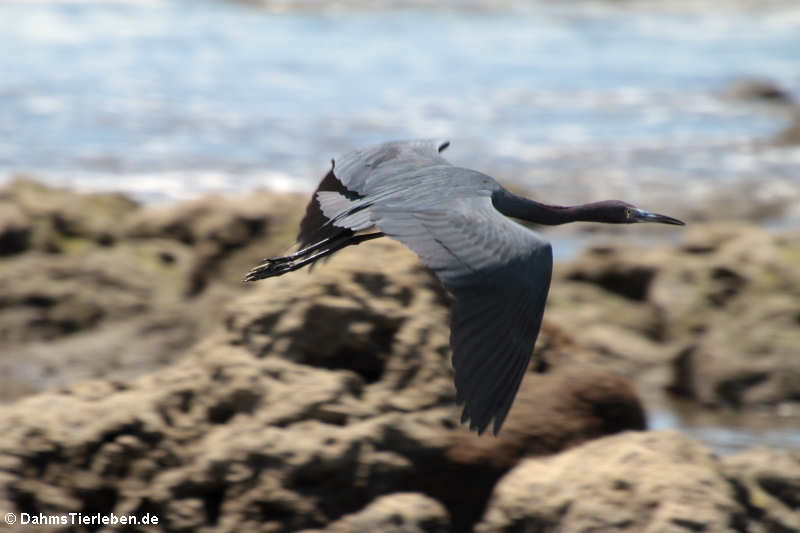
(140, 376)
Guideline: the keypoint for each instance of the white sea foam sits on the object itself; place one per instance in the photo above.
(168, 186)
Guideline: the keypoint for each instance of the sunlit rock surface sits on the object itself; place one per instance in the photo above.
(656, 481)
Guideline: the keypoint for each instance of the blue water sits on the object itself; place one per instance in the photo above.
(172, 98)
(730, 432)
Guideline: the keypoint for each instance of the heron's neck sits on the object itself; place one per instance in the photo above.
(515, 206)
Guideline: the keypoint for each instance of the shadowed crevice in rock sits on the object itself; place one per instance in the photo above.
(731, 391)
(98, 500)
(211, 495)
(241, 401)
(356, 339)
(766, 484)
(13, 240)
(783, 489)
(630, 282)
(728, 284)
(682, 381)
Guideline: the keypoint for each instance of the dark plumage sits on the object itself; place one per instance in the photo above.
(455, 220)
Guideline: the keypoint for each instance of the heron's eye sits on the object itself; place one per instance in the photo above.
(628, 213)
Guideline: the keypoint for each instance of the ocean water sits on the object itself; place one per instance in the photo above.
(574, 100)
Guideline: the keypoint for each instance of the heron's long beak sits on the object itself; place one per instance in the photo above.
(645, 216)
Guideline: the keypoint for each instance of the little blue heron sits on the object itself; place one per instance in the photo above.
(455, 220)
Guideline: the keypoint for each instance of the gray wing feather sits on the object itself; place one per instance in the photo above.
(499, 273)
(378, 172)
(366, 170)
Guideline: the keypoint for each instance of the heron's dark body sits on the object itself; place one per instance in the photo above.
(453, 218)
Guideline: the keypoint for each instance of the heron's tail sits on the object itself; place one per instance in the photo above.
(277, 266)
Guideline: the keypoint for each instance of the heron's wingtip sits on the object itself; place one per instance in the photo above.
(268, 269)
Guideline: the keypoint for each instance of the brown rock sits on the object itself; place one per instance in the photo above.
(749, 283)
(554, 412)
(758, 90)
(122, 350)
(229, 234)
(44, 297)
(396, 513)
(372, 310)
(768, 483)
(280, 421)
(107, 301)
(790, 136)
(660, 481)
(320, 393)
(186, 434)
(727, 367)
(63, 219)
(724, 280)
(629, 279)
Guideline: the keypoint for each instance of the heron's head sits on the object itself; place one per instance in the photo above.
(617, 212)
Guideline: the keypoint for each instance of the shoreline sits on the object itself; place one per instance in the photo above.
(776, 213)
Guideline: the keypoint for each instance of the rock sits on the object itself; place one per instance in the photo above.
(47, 296)
(760, 368)
(93, 297)
(169, 438)
(609, 331)
(725, 279)
(230, 234)
(554, 412)
(594, 290)
(278, 422)
(326, 400)
(372, 310)
(768, 484)
(15, 229)
(657, 481)
(116, 311)
(62, 219)
(377, 313)
(748, 282)
(789, 136)
(396, 513)
(616, 275)
(758, 90)
(129, 349)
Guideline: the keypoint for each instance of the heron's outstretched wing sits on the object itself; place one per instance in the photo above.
(499, 273)
(362, 173)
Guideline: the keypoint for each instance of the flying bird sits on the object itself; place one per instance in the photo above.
(455, 219)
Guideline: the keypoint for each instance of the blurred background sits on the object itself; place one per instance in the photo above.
(683, 107)
(653, 102)
(290, 403)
